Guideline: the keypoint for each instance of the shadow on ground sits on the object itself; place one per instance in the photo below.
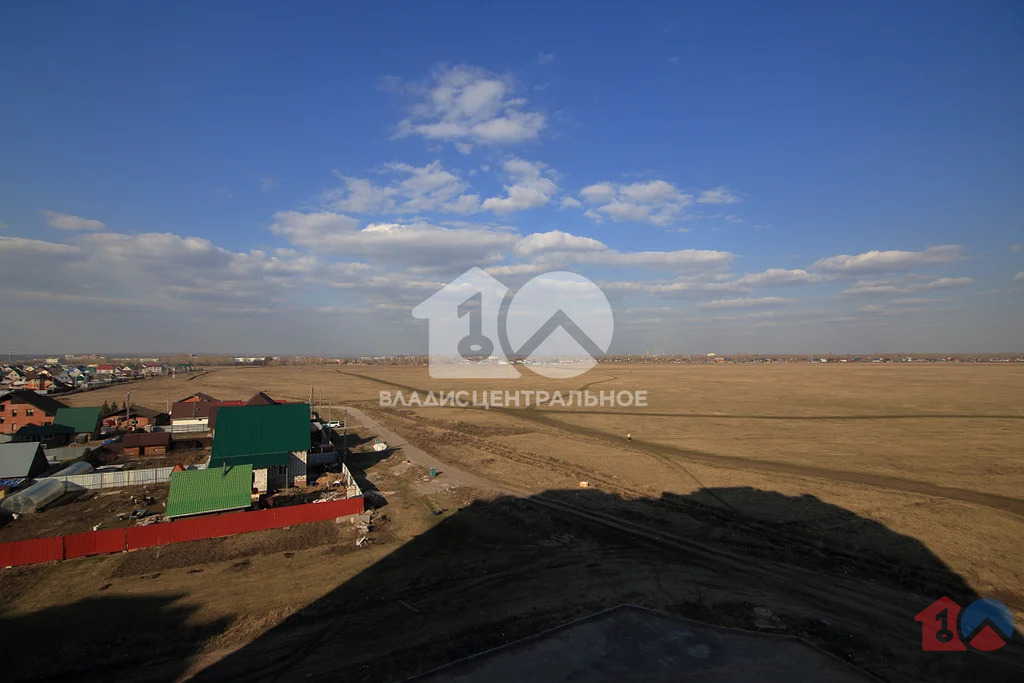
(103, 638)
(498, 571)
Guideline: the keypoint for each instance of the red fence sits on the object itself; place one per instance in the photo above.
(32, 551)
(190, 529)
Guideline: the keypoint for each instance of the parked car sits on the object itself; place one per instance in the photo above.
(334, 424)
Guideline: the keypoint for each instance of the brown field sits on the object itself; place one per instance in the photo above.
(864, 490)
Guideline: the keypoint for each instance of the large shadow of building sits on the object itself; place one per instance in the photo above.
(103, 639)
(502, 570)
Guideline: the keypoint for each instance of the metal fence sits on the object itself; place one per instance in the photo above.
(113, 480)
(55, 548)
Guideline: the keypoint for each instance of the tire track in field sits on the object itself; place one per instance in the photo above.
(1005, 503)
(733, 416)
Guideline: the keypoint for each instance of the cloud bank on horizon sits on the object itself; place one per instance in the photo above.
(224, 234)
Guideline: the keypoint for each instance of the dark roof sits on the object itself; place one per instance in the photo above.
(254, 430)
(43, 430)
(145, 439)
(140, 411)
(260, 399)
(201, 396)
(83, 420)
(45, 403)
(194, 492)
(192, 409)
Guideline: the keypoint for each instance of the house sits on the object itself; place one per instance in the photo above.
(135, 417)
(51, 435)
(273, 439)
(85, 421)
(152, 369)
(105, 370)
(199, 396)
(145, 444)
(23, 407)
(260, 399)
(192, 415)
(197, 492)
(22, 460)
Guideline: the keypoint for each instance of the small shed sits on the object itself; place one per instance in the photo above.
(143, 444)
(196, 492)
(22, 460)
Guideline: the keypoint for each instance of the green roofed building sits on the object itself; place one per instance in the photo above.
(196, 492)
(273, 439)
(81, 420)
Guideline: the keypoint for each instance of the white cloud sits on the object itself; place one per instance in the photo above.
(530, 187)
(745, 303)
(267, 184)
(1019, 277)
(888, 261)
(779, 276)
(471, 105)
(946, 282)
(416, 244)
(683, 259)
(415, 189)
(23, 247)
(65, 221)
(913, 301)
(556, 240)
(1018, 247)
(654, 201)
(902, 286)
(717, 195)
(673, 60)
(570, 203)
(545, 58)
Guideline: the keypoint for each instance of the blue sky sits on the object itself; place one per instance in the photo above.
(736, 176)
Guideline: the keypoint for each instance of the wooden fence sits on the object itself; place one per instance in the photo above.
(53, 548)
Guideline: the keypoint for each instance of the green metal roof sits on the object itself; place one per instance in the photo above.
(82, 420)
(194, 492)
(256, 430)
(255, 460)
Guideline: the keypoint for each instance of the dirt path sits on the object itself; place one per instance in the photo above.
(422, 458)
(545, 418)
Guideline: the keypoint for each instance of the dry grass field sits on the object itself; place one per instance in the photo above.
(868, 490)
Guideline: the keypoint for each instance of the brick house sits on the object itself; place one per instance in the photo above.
(23, 407)
(273, 439)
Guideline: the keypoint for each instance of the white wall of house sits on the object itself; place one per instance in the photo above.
(190, 422)
(259, 479)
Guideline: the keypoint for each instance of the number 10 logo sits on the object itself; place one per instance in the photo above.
(985, 625)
